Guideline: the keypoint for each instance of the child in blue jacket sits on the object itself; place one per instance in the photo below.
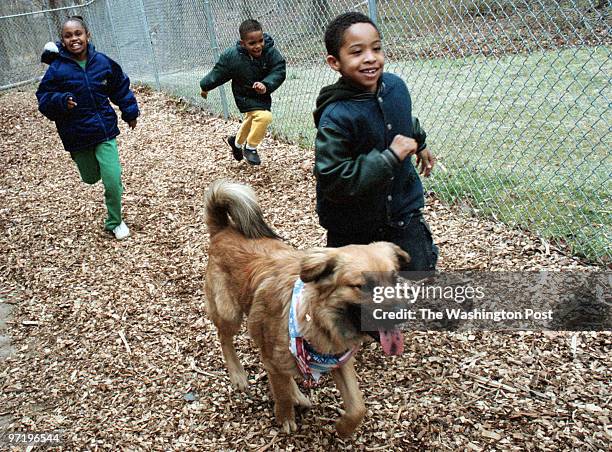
(75, 93)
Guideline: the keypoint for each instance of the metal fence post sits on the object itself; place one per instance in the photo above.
(145, 24)
(109, 12)
(373, 11)
(215, 50)
(52, 36)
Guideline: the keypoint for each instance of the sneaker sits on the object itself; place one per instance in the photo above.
(121, 232)
(236, 151)
(251, 156)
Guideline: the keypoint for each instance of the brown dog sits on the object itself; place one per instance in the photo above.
(250, 271)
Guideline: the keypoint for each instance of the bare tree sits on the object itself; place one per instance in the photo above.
(56, 16)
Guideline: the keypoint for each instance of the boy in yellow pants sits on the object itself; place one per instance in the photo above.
(256, 69)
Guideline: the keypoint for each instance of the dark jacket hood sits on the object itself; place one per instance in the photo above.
(268, 44)
(341, 90)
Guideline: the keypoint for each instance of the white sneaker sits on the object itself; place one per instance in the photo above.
(121, 231)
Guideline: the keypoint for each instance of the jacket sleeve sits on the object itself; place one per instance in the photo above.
(278, 72)
(342, 176)
(418, 134)
(220, 74)
(51, 101)
(121, 94)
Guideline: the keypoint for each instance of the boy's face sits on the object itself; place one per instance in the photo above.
(75, 38)
(361, 58)
(253, 42)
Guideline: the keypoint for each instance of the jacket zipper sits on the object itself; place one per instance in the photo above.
(93, 98)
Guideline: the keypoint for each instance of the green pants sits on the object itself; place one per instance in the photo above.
(102, 162)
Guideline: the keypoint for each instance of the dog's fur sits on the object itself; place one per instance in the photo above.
(252, 272)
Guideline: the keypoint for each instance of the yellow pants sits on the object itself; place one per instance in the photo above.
(253, 128)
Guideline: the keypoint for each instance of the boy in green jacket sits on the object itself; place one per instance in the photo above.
(256, 69)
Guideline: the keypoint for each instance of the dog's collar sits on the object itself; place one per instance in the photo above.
(311, 363)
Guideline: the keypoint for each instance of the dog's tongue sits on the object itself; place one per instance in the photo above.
(392, 342)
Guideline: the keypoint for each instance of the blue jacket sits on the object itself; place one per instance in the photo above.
(361, 184)
(93, 120)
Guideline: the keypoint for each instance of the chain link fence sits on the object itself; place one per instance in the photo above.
(514, 94)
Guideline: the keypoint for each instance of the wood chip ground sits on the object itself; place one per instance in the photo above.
(113, 347)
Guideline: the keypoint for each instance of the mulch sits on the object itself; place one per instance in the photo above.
(113, 346)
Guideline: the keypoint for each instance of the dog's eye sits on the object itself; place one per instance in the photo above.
(356, 286)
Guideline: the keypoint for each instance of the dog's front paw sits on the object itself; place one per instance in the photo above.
(345, 427)
(285, 415)
(239, 381)
(289, 426)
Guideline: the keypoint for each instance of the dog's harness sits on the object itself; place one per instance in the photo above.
(311, 364)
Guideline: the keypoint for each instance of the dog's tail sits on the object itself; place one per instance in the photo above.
(225, 200)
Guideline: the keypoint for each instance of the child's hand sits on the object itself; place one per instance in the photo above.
(204, 94)
(427, 162)
(132, 124)
(71, 103)
(259, 87)
(403, 146)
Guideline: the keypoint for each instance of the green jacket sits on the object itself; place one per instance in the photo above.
(237, 65)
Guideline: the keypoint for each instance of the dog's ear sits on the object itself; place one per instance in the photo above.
(403, 258)
(317, 263)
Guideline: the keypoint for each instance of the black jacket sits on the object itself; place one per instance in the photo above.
(361, 185)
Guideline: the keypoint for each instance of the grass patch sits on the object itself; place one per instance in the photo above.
(554, 213)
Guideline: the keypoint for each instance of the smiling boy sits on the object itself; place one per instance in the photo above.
(367, 187)
(256, 69)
